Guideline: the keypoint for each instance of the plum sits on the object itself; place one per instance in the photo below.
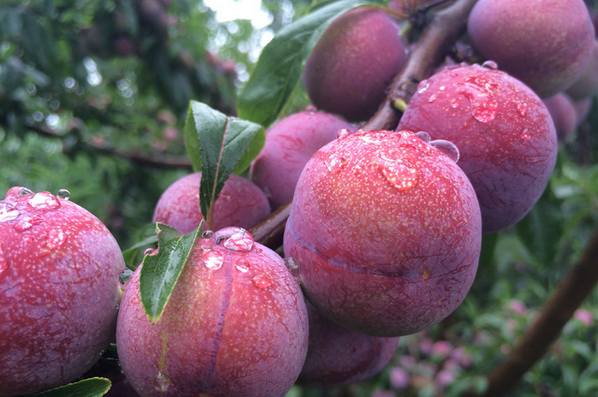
(504, 133)
(544, 43)
(59, 290)
(386, 229)
(353, 63)
(564, 114)
(235, 325)
(289, 144)
(337, 356)
(241, 203)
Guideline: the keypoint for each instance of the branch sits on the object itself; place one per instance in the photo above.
(570, 293)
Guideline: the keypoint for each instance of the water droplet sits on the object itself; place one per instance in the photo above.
(56, 237)
(64, 194)
(335, 163)
(125, 276)
(426, 274)
(261, 281)
(480, 93)
(241, 240)
(213, 260)
(243, 265)
(490, 65)
(293, 266)
(311, 109)
(27, 223)
(423, 86)
(447, 148)
(162, 382)
(343, 133)
(399, 176)
(24, 192)
(207, 234)
(44, 201)
(454, 103)
(424, 136)
(148, 251)
(374, 139)
(432, 98)
(525, 134)
(8, 212)
(206, 243)
(522, 108)
(442, 88)
(3, 261)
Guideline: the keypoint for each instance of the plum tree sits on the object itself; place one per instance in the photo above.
(289, 145)
(236, 325)
(241, 203)
(350, 68)
(520, 36)
(386, 229)
(504, 133)
(59, 290)
(337, 356)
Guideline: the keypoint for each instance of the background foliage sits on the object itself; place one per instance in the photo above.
(93, 97)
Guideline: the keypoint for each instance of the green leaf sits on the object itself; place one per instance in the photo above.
(92, 387)
(281, 63)
(218, 146)
(542, 228)
(160, 272)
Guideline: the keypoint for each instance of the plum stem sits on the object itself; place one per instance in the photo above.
(269, 232)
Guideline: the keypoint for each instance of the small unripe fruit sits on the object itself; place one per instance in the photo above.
(386, 229)
(59, 290)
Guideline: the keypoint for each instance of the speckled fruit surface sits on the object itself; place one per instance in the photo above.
(235, 325)
(241, 203)
(386, 230)
(504, 133)
(289, 145)
(59, 291)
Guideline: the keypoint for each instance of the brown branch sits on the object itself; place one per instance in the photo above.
(270, 231)
(573, 289)
(429, 51)
(140, 158)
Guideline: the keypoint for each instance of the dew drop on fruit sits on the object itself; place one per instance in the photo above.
(241, 240)
(207, 234)
(423, 86)
(525, 134)
(311, 109)
(479, 91)
(27, 223)
(242, 265)
(373, 139)
(213, 260)
(335, 163)
(25, 192)
(522, 108)
(261, 281)
(64, 194)
(162, 382)
(56, 237)
(3, 261)
(206, 243)
(490, 65)
(148, 251)
(44, 201)
(343, 133)
(293, 266)
(454, 103)
(8, 212)
(399, 176)
(447, 148)
(424, 136)
(432, 98)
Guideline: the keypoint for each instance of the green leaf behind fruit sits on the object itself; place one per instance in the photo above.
(92, 387)
(219, 146)
(160, 272)
(281, 63)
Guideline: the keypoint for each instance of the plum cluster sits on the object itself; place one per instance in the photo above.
(383, 237)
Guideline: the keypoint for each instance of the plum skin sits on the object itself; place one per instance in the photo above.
(238, 330)
(380, 256)
(289, 145)
(504, 132)
(546, 44)
(59, 291)
(353, 63)
(241, 203)
(337, 356)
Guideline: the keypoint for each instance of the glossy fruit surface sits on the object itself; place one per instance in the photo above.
(235, 325)
(504, 133)
(386, 230)
(59, 291)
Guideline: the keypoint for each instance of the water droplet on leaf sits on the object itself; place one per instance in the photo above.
(261, 281)
(447, 148)
(148, 251)
(64, 194)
